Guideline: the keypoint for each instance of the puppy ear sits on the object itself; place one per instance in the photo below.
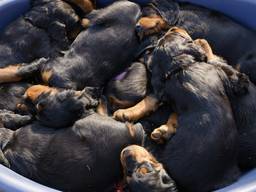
(167, 9)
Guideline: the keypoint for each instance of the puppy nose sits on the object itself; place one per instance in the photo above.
(138, 28)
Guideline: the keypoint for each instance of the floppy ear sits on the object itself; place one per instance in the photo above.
(168, 9)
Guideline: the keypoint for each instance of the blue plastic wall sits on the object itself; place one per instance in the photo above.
(11, 9)
(242, 10)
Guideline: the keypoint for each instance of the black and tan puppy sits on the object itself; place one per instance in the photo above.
(99, 53)
(202, 155)
(114, 27)
(128, 88)
(243, 102)
(48, 28)
(59, 108)
(84, 157)
(220, 31)
(143, 173)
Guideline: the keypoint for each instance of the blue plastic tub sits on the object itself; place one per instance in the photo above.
(11, 9)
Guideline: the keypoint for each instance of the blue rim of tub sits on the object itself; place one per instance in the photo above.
(13, 182)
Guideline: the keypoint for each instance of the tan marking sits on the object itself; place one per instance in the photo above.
(22, 107)
(46, 75)
(35, 91)
(143, 171)
(140, 110)
(151, 25)
(206, 47)
(102, 108)
(130, 129)
(86, 5)
(164, 132)
(140, 155)
(9, 74)
(119, 104)
(180, 31)
(85, 23)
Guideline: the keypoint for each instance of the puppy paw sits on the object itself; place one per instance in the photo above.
(161, 134)
(124, 115)
(28, 70)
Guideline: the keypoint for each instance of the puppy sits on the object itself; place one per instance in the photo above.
(200, 23)
(143, 173)
(128, 88)
(76, 158)
(58, 108)
(48, 28)
(243, 102)
(196, 91)
(86, 59)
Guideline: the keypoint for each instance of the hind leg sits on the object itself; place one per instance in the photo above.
(140, 110)
(164, 132)
(15, 73)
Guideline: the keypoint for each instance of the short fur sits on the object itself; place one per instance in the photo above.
(220, 31)
(84, 157)
(42, 32)
(102, 51)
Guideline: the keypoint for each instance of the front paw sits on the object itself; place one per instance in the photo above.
(124, 115)
(161, 134)
(27, 70)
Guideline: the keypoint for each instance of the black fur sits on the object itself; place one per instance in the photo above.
(63, 109)
(102, 51)
(220, 31)
(132, 87)
(243, 101)
(155, 179)
(42, 32)
(13, 121)
(84, 157)
(247, 65)
(202, 155)
(11, 94)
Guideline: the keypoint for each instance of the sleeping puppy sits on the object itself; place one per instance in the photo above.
(220, 31)
(143, 173)
(202, 155)
(58, 108)
(127, 89)
(86, 59)
(48, 28)
(76, 158)
(113, 27)
(243, 102)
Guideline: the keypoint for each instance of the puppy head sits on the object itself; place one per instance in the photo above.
(177, 48)
(63, 108)
(157, 17)
(142, 171)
